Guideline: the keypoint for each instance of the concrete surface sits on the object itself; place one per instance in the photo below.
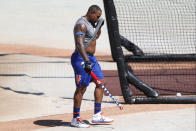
(45, 23)
(33, 87)
(176, 120)
(39, 81)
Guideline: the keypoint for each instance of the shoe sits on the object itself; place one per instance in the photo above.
(99, 118)
(77, 122)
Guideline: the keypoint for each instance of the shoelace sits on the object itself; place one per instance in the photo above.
(102, 117)
(80, 120)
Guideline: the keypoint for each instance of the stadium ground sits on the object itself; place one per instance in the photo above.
(36, 95)
(36, 90)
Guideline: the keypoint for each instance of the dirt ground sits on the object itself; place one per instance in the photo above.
(64, 119)
(44, 51)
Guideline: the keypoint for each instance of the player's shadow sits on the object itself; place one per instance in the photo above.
(93, 124)
(55, 123)
(51, 123)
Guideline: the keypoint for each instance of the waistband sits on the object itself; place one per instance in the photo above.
(76, 52)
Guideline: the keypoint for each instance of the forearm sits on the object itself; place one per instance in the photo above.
(81, 49)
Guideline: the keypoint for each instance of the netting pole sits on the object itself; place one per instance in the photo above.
(117, 54)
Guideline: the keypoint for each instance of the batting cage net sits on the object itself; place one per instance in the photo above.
(158, 27)
(154, 45)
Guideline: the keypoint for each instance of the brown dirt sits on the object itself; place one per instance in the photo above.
(58, 120)
(44, 51)
(64, 119)
(162, 65)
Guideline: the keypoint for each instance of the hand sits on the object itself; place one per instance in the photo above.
(88, 67)
(100, 20)
(102, 23)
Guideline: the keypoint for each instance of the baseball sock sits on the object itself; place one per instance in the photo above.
(76, 112)
(97, 108)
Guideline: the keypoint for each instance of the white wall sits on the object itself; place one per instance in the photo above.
(45, 23)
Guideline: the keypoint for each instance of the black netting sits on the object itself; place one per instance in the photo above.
(158, 39)
(158, 27)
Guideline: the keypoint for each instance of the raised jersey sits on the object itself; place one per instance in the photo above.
(90, 30)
